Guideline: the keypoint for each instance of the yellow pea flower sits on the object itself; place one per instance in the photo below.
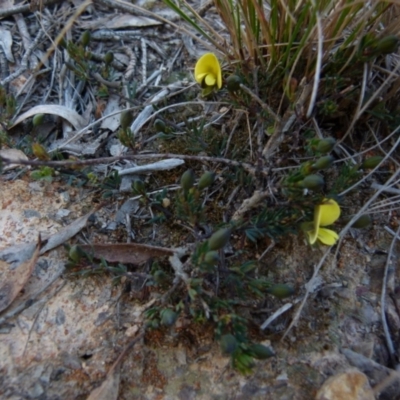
(207, 71)
(324, 214)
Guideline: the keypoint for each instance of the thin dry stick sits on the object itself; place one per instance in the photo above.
(389, 380)
(360, 100)
(95, 161)
(133, 9)
(369, 149)
(317, 67)
(144, 60)
(24, 61)
(60, 36)
(266, 107)
(25, 8)
(309, 288)
(383, 299)
(214, 33)
(361, 110)
(379, 145)
(387, 155)
(321, 262)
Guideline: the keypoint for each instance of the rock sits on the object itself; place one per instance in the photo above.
(349, 385)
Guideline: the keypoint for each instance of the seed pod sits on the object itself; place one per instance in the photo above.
(109, 57)
(363, 222)
(126, 119)
(219, 239)
(313, 182)
(233, 83)
(187, 180)
(260, 351)
(324, 146)
(280, 290)
(323, 163)
(206, 180)
(212, 257)
(159, 124)
(228, 344)
(85, 38)
(168, 317)
(37, 119)
(371, 162)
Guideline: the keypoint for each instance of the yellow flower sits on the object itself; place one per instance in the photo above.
(324, 214)
(207, 71)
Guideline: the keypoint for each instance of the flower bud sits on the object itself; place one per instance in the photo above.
(166, 202)
(386, 45)
(187, 180)
(260, 351)
(280, 290)
(313, 182)
(371, 162)
(323, 163)
(160, 276)
(219, 239)
(159, 124)
(62, 43)
(126, 119)
(233, 83)
(228, 344)
(76, 253)
(109, 57)
(40, 152)
(326, 145)
(206, 180)
(212, 257)
(168, 317)
(85, 38)
(363, 222)
(138, 186)
(154, 324)
(37, 119)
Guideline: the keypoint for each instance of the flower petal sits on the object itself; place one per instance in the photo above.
(329, 212)
(208, 64)
(210, 80)
(311, 233)
(317, 216)
(200, 77)
(312, 236)
(327, 236)
(219, 77)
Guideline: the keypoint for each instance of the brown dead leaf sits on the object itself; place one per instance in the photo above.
(15, 278)
(15, 255)
(110, 387)
(132, 253)
(66, 233)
